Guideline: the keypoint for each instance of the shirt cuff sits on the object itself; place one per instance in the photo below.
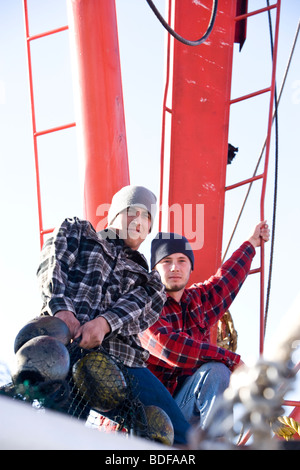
(114, 322)
(61, 303)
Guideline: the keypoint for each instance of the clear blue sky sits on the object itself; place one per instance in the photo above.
(141, 40)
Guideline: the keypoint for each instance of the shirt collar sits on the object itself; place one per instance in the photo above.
(111, 236)
(185, 298)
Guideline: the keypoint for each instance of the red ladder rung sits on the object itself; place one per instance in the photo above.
(241, 183)
(55, 129)
(47, 33)
(290, 403)
(256, 12)
(250, 95)
(46, 231)
(255, 271)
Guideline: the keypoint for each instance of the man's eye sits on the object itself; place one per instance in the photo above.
(131, 211)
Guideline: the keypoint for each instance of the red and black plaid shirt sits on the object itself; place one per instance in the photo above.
(179, 342)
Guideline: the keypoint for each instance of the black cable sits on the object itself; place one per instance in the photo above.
(176, 35)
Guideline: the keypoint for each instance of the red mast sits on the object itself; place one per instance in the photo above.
(99, 96)
(199, 129)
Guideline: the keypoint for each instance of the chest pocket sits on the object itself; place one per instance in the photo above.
(131, 279)
(134, 270)
(197, 320)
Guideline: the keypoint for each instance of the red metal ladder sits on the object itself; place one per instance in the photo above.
(37, 133)
(263, 176)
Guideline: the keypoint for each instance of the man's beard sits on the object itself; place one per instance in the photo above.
(175, 288)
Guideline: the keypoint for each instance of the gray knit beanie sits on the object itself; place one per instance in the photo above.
(166, 244)
(130, 196)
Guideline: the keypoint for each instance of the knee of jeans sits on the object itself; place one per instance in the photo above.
(220, 371)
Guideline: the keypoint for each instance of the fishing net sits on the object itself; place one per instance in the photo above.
(102, 392)
(98, 390)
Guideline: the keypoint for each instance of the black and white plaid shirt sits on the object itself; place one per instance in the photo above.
(95, 275)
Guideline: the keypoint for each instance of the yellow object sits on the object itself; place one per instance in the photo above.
(160, 427)
(100, 381)
(286, 427)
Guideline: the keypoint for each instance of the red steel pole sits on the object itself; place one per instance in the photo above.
(199, 129)
(99, 100)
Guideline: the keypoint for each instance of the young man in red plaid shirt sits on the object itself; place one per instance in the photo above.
(194, 370)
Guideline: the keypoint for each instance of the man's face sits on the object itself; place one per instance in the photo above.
(133, 225)
(174, 271)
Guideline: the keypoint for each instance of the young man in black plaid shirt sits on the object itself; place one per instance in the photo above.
(100, 286)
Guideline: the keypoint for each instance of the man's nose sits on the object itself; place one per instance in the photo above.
(137, 217)
(174, 267)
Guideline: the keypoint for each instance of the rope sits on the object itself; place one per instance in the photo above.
(176, 35)
(227, 334)
(286, 427)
